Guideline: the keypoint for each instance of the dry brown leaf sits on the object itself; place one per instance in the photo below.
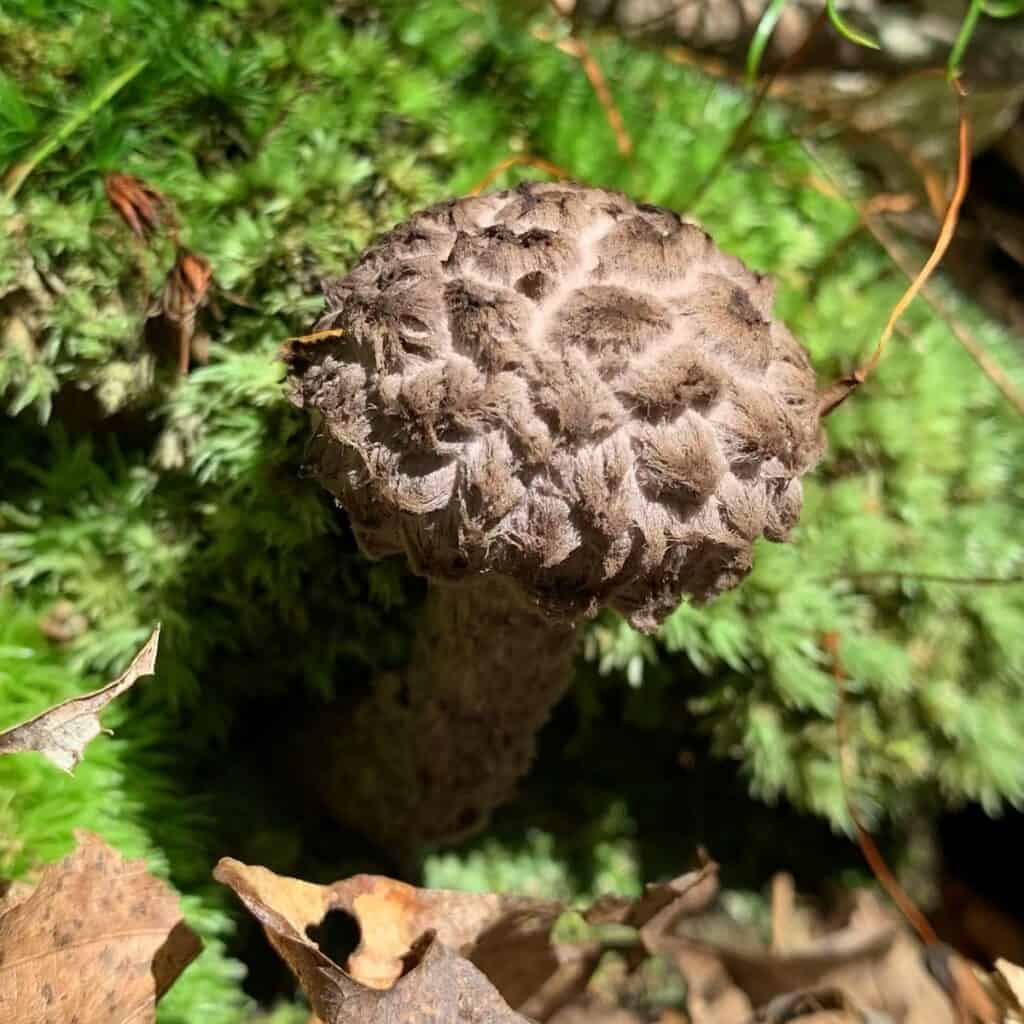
(13, 893)
(62, 733)
(819, 1006)
(592, 1011)
(98, 941)
(440, 988)
(712, 996)
(507, 938)
(873, 960)
(1014, 978)
(494, 931)
(1005, 987)
(402, 970)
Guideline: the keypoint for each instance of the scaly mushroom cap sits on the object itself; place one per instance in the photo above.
(566, 388)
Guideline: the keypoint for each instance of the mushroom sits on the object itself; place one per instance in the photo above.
(552, 400)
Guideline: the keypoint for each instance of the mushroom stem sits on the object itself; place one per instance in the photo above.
(437, 747)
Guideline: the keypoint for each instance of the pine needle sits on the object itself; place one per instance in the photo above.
(517, 161)
(576, 47)
(949, 224)
(963, 989)
(838, 392)
(879, 868)
(932, 577)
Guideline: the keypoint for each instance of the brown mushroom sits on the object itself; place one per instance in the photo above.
(551, 400)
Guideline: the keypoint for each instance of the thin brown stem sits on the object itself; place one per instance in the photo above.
(879, 868)
(949, 224)
(520, 160)
(962, 987)
(982, 359)
(930, 577)
(576, 47)
(838, 392)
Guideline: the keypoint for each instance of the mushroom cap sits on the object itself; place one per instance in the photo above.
(561, 386)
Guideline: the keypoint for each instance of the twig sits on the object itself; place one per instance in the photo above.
(962, 987)
(872, 855)
(783, 902)
(930, 577)
(949, 223)
(838, 392)
(576, 47)
(968, 342)
(17, 174)
(517, 161)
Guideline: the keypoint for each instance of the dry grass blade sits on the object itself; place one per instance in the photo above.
(949, 223)
(517, 161)
(959, 330)
(576, 47)
(930, 577)
(838, 392)
(963, 988)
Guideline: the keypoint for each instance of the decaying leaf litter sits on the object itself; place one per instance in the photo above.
(97, 938)
(672, 956)
(62, 733)
(397, 948)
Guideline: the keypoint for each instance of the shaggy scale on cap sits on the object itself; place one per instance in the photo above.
(565, 388)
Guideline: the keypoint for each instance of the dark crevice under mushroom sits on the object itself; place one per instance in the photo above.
(437, 747)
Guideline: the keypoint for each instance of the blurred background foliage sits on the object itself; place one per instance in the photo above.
(287, 133)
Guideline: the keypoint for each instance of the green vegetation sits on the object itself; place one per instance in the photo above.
(287, 133)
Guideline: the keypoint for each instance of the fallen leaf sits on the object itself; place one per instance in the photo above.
(399, 972)
(1005, 988)
(1014, 978)
(661, 905)
(393, 916)
(13, 893)
(592, 1011)
(507, 938)
(873, 960)
(712, 996)
(440, 988)
(98, 940)
(61, 733)
(820, 1006)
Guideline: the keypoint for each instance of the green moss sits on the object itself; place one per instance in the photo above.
(287, 134)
